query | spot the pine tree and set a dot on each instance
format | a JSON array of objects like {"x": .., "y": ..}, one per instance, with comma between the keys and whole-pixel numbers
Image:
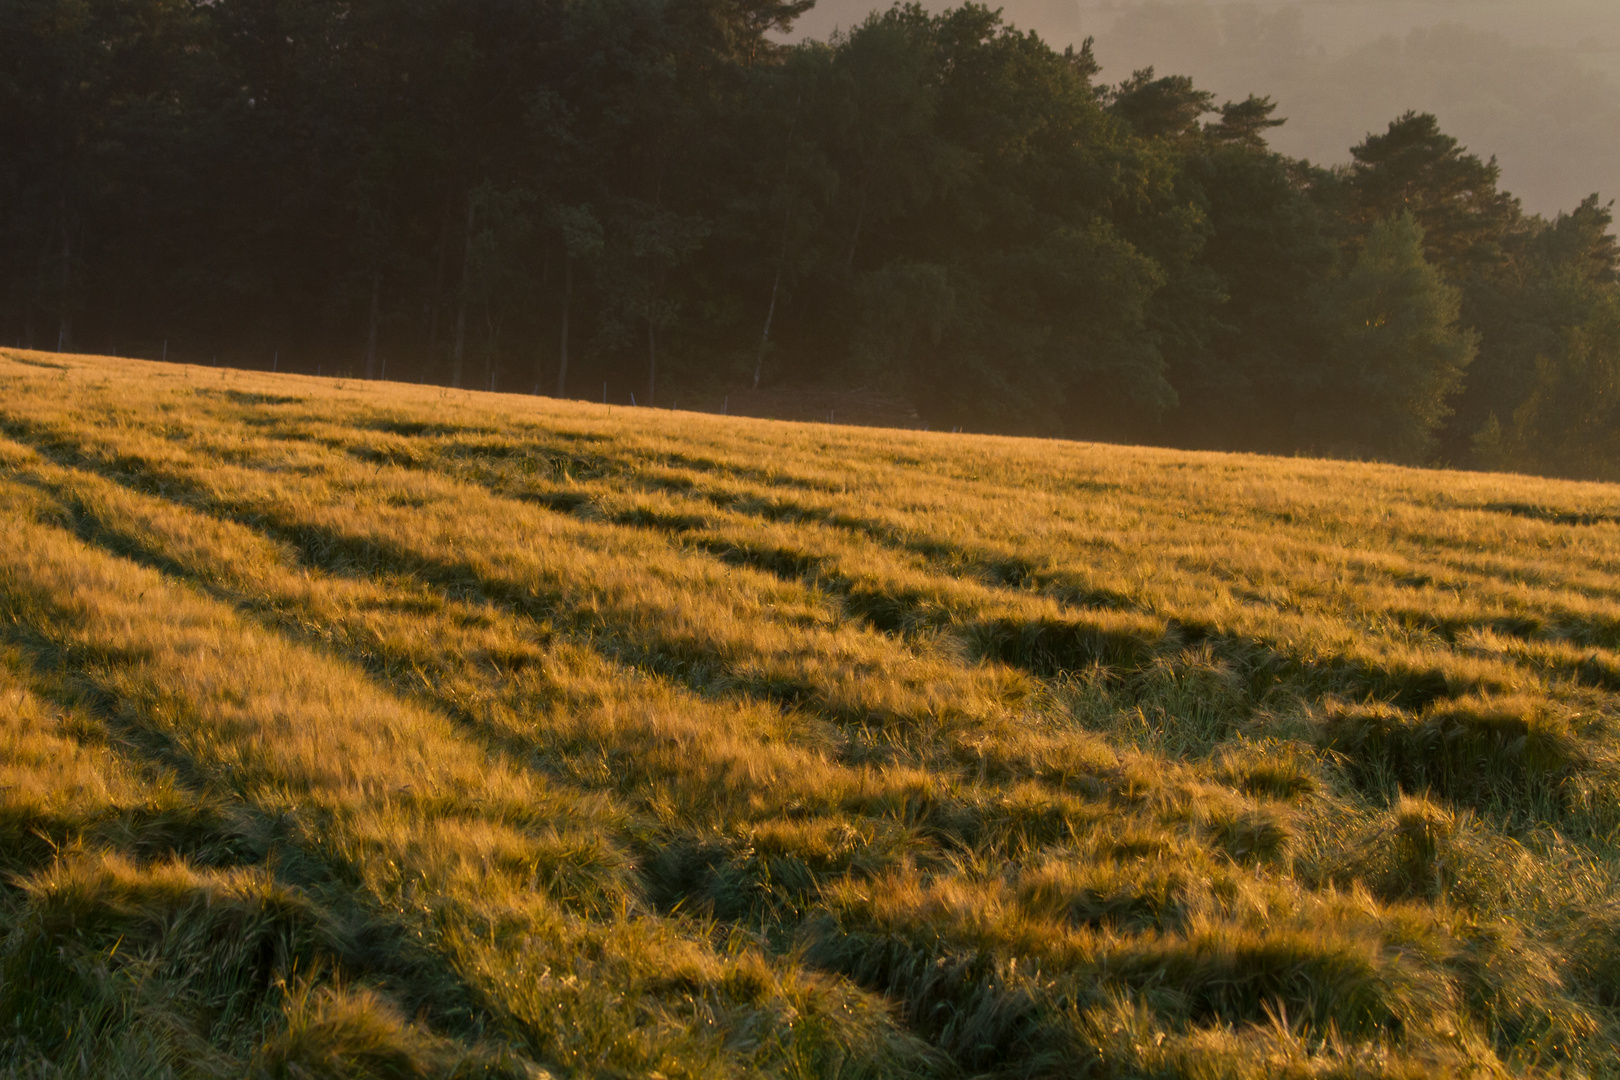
[{"x": 1415, "y": 168}]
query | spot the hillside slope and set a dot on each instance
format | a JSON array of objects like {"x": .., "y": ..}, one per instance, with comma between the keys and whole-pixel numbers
[{"x": 368, "y": 729}]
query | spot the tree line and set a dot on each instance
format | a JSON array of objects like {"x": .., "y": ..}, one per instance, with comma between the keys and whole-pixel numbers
[{"x": 557, "y": 195}]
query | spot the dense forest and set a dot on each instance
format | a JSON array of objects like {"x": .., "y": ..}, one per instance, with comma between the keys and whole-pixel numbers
[{"x": 559, "y": 196}]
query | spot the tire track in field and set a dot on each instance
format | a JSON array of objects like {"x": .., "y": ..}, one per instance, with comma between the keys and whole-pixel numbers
[
  {"x": 117, "y": 798},
  {"x": 765, "y": 503},
  {"x": 1072, "y": 588},
  {"x": 999, "y": 573},
  {"x": 693, "y": 657},
  {"x": 290, "y": 614},
  {"x": 1414, "y": 687},
  {"x": 224, "y": 828},
  {"x": 298, "y": 623},
  {"x": 57, "y": 618},
  {"x": 379, "y": 791},
  {"x": 489, "y": 463},
  {"x": 1048, "y": 647},
  {"x": 455, "y": 460},
  {"x": 492, "y": 464},
  {"x": 1043, "y": 645},
  {"x": 977, "y": 813}
]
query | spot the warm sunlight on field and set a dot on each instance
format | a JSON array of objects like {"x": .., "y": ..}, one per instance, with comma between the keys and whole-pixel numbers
[{"x": 373, "y": 729}]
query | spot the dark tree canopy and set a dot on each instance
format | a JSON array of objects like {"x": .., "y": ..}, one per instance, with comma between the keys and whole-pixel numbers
[{"x": 651, "y": 195}]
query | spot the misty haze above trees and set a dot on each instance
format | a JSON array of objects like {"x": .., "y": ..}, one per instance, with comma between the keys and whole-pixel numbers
[{"x": 537, "y": 194}]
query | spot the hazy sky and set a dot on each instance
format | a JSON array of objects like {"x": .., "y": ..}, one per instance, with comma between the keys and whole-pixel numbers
[{"x": 1535, "y": 82}]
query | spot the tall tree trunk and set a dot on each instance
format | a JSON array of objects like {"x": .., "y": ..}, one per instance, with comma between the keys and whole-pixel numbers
[
  {"x": 652, "y": 364},
  {"x": 115, "y": 306},
  {"x": 438, "y": 285},
  {"x": 765, "y": 338},
  {"x": 770, "y": 312},
  {"x": 568, "y": 302},
  {"x": 781, "y": 257},
  {"x": 492, "y": 332},
  {"x": 459, "y": 350},
  {"x": 64, "y": 327},
  {"x": 860, "y": 216},
  {"x": 371, "y": 329}
]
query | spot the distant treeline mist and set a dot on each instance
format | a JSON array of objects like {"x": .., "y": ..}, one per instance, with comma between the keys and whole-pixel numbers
[
  {"x": 654, "y": 195},
  {"x": 1535, "y": 84}
]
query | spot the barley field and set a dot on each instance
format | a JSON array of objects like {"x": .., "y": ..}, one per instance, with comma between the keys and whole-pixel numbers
[{"x": 356, "y": 729}]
